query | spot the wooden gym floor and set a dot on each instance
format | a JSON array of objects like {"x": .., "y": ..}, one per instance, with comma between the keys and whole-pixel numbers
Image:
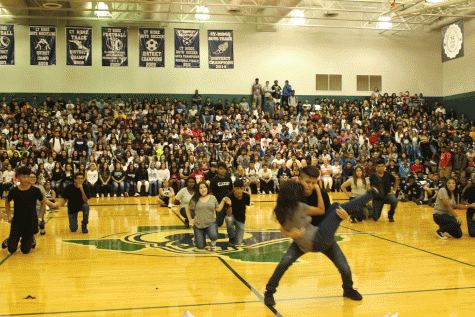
[{"x": 138, "y": 260}]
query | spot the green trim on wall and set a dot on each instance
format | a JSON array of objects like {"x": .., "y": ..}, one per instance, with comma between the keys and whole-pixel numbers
[{"x": 463, "y": 103}]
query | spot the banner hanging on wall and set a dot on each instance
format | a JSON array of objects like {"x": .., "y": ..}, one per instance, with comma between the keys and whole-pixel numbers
[
  {"x": 78, "y": 46},
  {"x": 114, "y": 46},
  {"x": 42, "y": 45},
  {"x": 187, "y": 48},
  {"x": 452, "y": 41},
  {"x": 7, "y": 45},
  {"x": 220, "y": 49},
  {"x": 151, "y": 47}
]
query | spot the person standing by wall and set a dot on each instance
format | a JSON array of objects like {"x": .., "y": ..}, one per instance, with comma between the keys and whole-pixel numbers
[{"x": 257, "y": 93}]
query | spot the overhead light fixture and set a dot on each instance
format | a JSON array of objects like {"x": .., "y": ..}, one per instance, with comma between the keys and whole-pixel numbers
[
  {"x": 384, "y": 22},
  {"x": 202, "y": 13},
  {"x": 103, "y": 7},
  {"x": 297, "y": 17}
]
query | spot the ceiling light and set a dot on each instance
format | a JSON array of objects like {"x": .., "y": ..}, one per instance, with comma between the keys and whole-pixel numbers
[
  {"x": 202, "y": 13},
  {"x": 297, "y": 17},
  {"x": 385, "y": 22},
  {"x": 102, "y": 6}
]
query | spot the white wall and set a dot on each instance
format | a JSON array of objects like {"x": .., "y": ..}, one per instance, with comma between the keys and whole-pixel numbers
[
  {"x": 405, "y": 63},
  {"x": 458, "y": 75}
]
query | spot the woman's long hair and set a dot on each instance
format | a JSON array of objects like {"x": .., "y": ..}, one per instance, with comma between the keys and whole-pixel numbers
[
  {"x": 290, "y": 194},
  {"x": 197, "y": 193},
  {"x": 362, "y": 176}
]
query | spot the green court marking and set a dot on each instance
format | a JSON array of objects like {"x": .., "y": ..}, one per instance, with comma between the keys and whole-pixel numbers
[
  {"x": 415, "y": 248},
  {"x": 6, "y": 258},
  {"x": 109, "y": 244}
]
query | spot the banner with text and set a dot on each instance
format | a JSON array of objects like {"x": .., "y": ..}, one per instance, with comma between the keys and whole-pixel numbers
[
  {"x": 221, "y": 50},
  {"x": 151, "y": 47},
  {"x": 187, "y": 48},
  {"x": 114, "y": 46},
  {"x": 78, "y": 46},
  {"x": 42, "y": 45},
  {"x": 7, "y": 45}
]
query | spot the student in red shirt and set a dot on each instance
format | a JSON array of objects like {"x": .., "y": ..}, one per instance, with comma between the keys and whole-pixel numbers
[
  {"x": 373, "y": 138},
  {"x": 416, "y": 167},
  {"x": 445, "y": 165},
  {"x": 198, "y": 174}
]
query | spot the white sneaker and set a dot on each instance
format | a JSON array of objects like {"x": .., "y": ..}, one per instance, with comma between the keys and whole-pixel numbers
[
  {"x": 441, "y": 235},
  {"x": 170, "y": 205},
  {"x": 102, "y": 195},
  {"x": 115, "y": 195},
  {"x": 188, "y": 314},
  {"x": 121, "y": 195},
  {"x": 258, "y": 192},
  {"x": 212, "y": 246},
  {"x": 97, "y": 195},
  {"x": 252, "y": 203},
  {"x": 108, "y": 195}
]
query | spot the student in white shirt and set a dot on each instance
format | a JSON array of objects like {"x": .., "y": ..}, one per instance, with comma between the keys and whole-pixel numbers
[
  {"x": 265, "y": 178},
  {"x": 152, "y": 180},
  {"x": 252, "y": 174},
  {"x": 92, "y": 178},
  {"x": 163, "y": 174},
  {"x": 7, "y": 180},
  {"x": 183, "y": 198}
]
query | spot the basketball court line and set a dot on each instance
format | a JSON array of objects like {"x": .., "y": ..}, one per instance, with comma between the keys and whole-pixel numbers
[
  {"x": 409, "y": 246},
  {"x": 9, "y": 255},
  {"x": 261, "y": 298},
  {"x": 231, "y": 303}
]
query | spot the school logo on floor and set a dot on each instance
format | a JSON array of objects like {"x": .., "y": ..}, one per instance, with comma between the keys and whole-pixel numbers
[{"x": 260, "y": 245}]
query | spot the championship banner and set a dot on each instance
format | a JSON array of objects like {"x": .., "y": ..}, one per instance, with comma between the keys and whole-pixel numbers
[
  {"x": 452, "y": 41},
  {"x": 187, "y": 48},
  {"x": 220, "y": 49},
  {"x": 151, "y": 47},
  {"x": 78, "y": 46},
  {"x": 42, "y": 45},
  {"x": 7, "y": 45},
  {"x": 114, "y": 46}
]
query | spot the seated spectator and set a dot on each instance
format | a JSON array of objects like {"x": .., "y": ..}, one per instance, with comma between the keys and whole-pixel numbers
[{"x": 412, "y": 191}]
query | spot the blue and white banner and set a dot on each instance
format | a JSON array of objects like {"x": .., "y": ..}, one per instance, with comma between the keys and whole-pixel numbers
[
  {"x": 187, "y": 48},
  {"x": 151, "y": 47},
  {"x": 78, "y": 46},
  {"x": 452, "y": 41},
  {"x": 221, "y": 50},
  {"x": 42, "y": 45},
  {"x": 7, "y": 45},
  {"x": 114, "y": 46}
]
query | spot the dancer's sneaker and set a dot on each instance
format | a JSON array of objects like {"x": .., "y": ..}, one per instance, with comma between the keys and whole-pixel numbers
[
  {"x": 352, "y": 294},
  {"x": 212, "y": 246},
  {"x": 439, "y": 234},
  {"x": 84, "y": 229},
  {"x": 33, "y": 244},
  {"x": 391, "y": 219},
  {"x": 269, "y": 299},
  {"x": 5, "y": 244}
]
